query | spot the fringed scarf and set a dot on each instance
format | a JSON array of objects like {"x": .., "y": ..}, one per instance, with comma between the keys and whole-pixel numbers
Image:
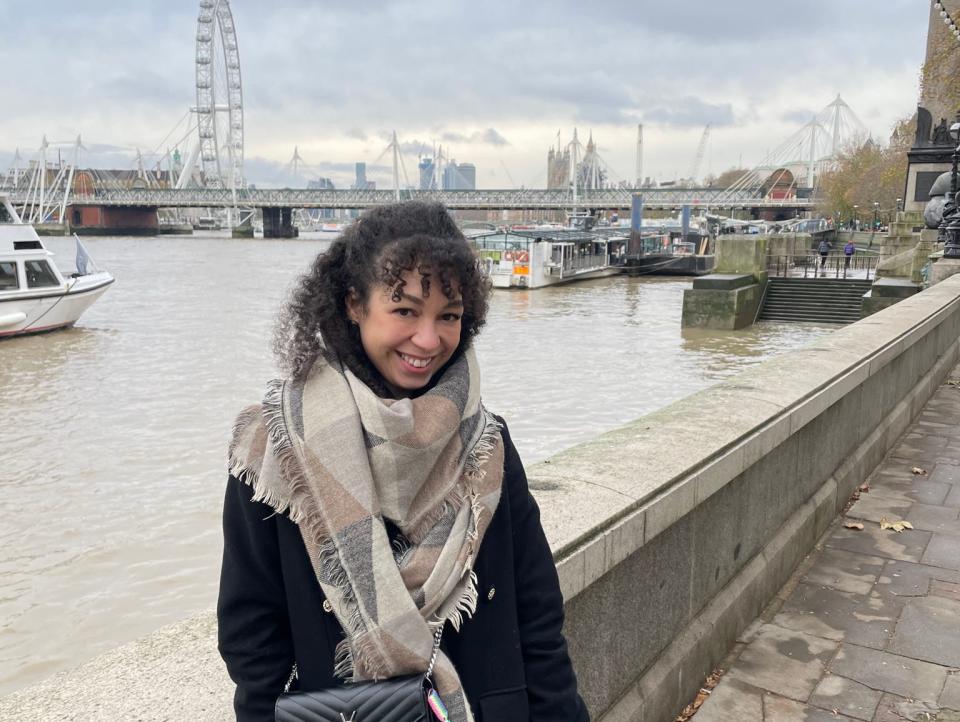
[{"x": 338, "y": 460}]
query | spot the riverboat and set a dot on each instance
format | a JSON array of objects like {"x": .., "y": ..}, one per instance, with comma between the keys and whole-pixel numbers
[
  {"x": 535, "y": 258},
  {"x": 34, "y": 295}
]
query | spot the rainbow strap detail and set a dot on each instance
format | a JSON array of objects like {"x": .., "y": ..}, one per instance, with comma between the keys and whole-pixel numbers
[{"x": 437, "y": 707}]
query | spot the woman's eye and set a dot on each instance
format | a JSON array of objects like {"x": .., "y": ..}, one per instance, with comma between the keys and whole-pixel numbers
[
  {"x": 403, "y": 312},
  {"x": 453, "y": 317}
]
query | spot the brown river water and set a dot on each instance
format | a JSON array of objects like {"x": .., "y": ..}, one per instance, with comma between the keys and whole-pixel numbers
[{"x": 113, "y": 434}]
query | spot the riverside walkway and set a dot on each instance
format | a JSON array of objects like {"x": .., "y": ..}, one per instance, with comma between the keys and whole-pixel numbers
[{"x": 869, "y": 626}]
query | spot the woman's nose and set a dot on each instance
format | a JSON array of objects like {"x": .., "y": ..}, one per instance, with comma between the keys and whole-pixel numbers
[{"x": 426, "y": 336}]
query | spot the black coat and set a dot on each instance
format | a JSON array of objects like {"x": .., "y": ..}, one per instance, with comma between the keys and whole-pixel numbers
[{"x": 511, "y": 656}]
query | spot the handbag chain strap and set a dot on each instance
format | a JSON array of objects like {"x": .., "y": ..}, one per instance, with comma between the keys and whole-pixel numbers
[
  {"x": 433, "y": 660},
  {"x": 436, "y": 650}
]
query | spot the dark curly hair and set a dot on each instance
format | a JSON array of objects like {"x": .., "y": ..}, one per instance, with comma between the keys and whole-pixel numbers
[{"x": 378, "y": 249}]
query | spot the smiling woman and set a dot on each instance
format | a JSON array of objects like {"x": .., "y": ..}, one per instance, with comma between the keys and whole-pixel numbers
[{"x": 377, "y": 521}]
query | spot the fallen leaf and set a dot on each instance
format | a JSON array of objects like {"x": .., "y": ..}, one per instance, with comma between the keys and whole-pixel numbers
[
  {"x": 897, "y": 525},
  {"x": 918, "y": 470},
  {"x": 865, "y": 488},
  {"x": 854, "y": 525}
]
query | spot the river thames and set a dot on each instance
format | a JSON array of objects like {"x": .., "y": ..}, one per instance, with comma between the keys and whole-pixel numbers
[{"x": 115, "y": 432}]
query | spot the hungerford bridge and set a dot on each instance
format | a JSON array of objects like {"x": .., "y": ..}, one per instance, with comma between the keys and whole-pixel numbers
[{"x": 558, "y": 199}]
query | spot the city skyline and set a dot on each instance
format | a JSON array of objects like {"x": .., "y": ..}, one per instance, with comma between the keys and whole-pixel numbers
[{"x": 494, "y": 88}]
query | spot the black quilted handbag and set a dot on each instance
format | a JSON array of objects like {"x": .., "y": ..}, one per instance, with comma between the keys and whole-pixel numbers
[{"x": 400, "y": 699}]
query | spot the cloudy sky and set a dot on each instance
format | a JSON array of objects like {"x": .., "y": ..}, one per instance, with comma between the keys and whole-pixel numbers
[{"x": 492, "y": 81}]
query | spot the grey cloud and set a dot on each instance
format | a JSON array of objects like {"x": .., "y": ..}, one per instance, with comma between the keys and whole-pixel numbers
[
  {"x": 416, "y": 147},
  {"x": 490, "y": 136},
  {"x": 800, "y": 117},
  {"x": 356, "y": 133},
  {"x": 689, "y": 111}
]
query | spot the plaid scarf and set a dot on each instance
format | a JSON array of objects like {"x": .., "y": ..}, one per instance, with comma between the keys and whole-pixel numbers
[{"x": 338, "y": 460}]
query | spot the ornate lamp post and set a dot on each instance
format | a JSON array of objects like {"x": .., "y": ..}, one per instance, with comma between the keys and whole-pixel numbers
[
  {"x": 876, "y": 215},
  {"x": 856, "y": 217},
  {"x": 950, "y": 225}
]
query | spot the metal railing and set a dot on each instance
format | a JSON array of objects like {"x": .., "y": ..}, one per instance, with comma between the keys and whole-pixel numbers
[
  {"x": 610, "y": 198},
  {"x": 861, "y": 266}
]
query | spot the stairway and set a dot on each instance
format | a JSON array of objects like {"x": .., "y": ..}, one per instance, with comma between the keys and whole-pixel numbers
[{"x": 816, "y": 300}]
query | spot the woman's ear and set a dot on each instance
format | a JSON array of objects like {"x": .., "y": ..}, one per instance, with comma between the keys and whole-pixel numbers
[{"x": 354, "y": 306}]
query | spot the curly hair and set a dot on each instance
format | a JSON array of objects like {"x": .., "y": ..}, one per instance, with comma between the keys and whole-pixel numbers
[{"x": 377, "y": 250}]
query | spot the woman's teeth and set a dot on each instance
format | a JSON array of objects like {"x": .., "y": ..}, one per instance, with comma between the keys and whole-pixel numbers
[{"x": 415, "y": 362}]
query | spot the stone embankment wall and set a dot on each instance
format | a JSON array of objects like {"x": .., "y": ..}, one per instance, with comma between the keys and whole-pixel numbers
[{"x": 671, "y": 533}]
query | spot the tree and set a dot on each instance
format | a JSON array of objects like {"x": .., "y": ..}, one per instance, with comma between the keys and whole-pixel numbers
[
  {"x": 865, "y": 174},
  {"x": 729, "y": 177},
  {"x": 940, "y": 74}
]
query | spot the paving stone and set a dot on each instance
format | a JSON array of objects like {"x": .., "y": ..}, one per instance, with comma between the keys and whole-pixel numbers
[
  {"x": 906, "y": 579},
  {"x": 946, "y": 473},
  {"x": 915, "y": 490},
  {"x": 867, "y": 620},
  {"x": 881, "y": 543},
  {"x": 947, "y": 590},
  {"x": 845, "y": 571},
  {"x": 943, "y": 551},
  {"x": 912, "y": 456},
  {"x": 895, "y": 471},
  {"x": 846, "y": 696},
  {"x": 929, "y": 629},
  {"x": 950, "y": 697},
  {"x": 898, "y": 709},
  {"x": 889, "y": 672},
  {"x": 783, "y": 661},
  {"x": 874, "y": 507},
  {"x": 949, "y": 454},
  {"x": 780, "y": 709},
  {"x": 942, "y": 519},
  {"x": 732, "y": 700},
  {"x": 952, "y": 498},
  {"x": 925, "y": 442}
]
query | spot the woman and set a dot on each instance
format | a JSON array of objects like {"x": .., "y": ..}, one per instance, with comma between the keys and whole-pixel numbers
[{"x": 372, "y": 498}]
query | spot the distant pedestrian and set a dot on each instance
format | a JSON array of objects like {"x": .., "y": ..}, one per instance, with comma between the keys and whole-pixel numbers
[
  {"x": 824, "y": 250},
  {"x": 848, "y": 251}
]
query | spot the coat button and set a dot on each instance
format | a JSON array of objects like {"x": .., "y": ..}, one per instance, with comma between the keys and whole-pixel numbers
[
  {"x": 327, "y": 606},
  {"x": 491, "y": 593}
]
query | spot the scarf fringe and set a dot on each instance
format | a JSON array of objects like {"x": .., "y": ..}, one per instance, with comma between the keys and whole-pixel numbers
[
  {"x": 484, "y": 447},
  {"x": 240, "y": 468}
]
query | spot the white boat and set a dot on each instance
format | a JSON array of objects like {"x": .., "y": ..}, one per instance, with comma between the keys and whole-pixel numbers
[
  {"x": 534, "y": 258},
  {"x": 34, "y": 295}
]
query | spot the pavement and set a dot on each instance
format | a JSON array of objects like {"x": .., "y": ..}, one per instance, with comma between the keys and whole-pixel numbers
[{"x": 868, "y": 628}]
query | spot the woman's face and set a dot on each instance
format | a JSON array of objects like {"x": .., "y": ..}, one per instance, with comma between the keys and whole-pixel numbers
[{"x": 410, "y": 339}]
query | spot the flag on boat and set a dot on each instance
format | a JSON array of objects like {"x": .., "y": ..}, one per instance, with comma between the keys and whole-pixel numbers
[{"x": 85, "y": 264}]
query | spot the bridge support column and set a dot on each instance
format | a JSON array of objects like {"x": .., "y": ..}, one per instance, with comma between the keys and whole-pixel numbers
[{"x": 278, "y": 223}]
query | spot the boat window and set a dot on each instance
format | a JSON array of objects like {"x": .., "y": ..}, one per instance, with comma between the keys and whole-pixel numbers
[
  {"x": 8, "y": 276},
  {"x": 40, "y": 275}
]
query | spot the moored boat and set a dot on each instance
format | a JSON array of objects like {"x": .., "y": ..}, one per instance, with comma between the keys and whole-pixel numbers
[
  {"x": 531, "y": 258},
  {"x": 34, "y": 295}
]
